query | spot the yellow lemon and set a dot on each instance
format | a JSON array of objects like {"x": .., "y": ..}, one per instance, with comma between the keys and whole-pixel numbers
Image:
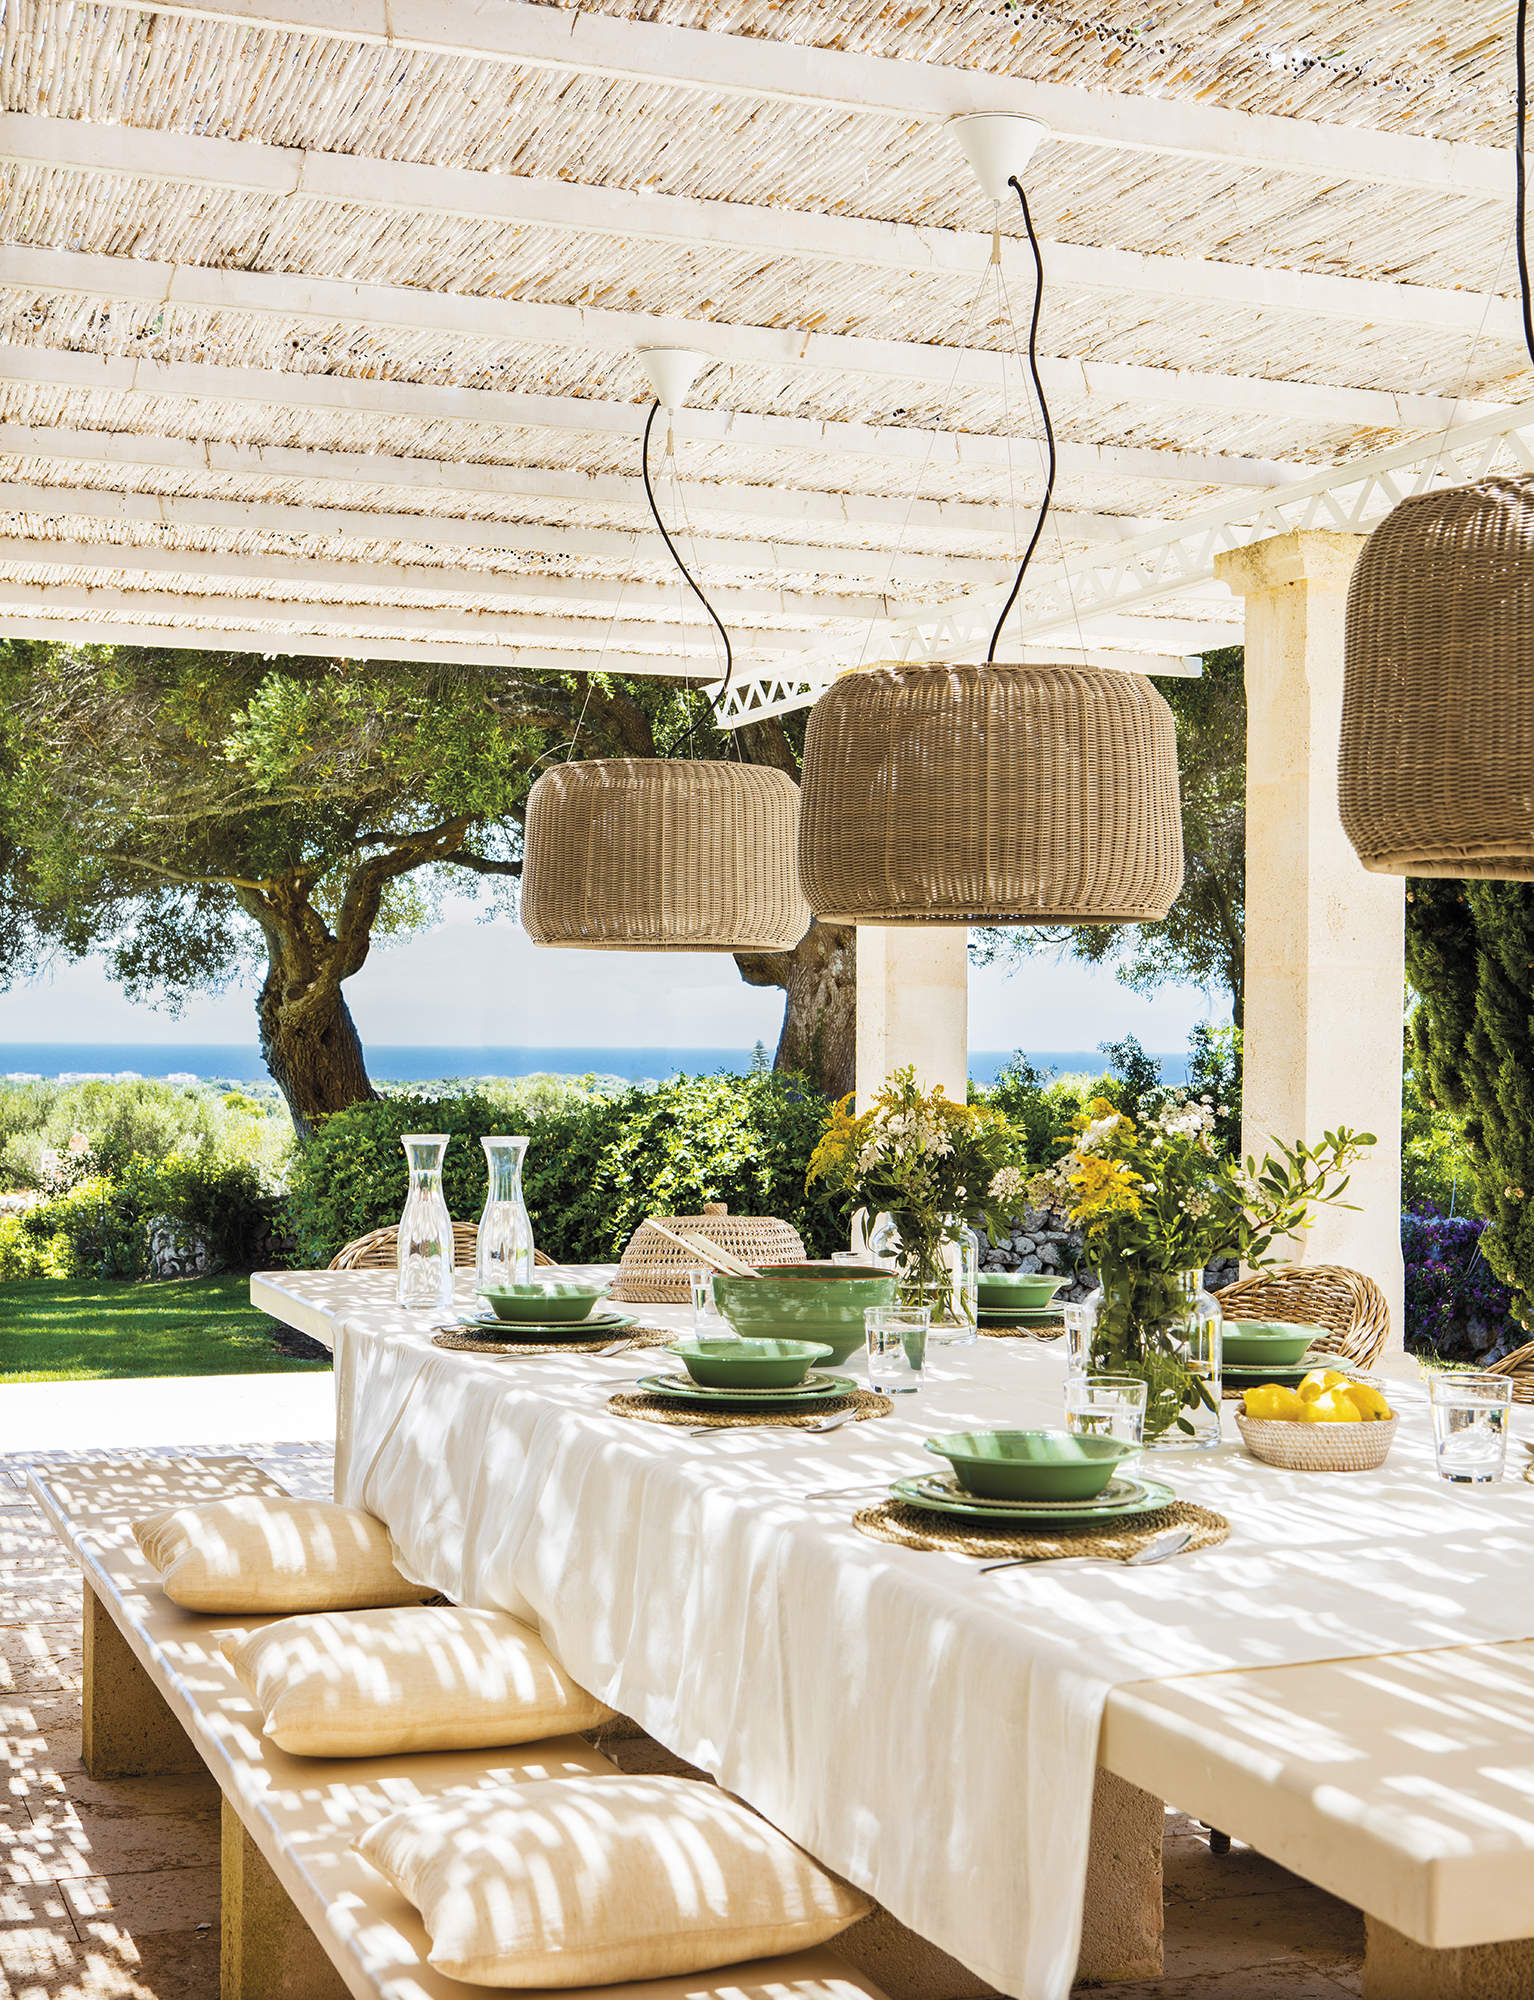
[
  {"x": 1318, "y": 1381},
  {"x": 1368, "y": 1401},
  {"x": 1274, "y": 1401},
  {"x": 1334, "y": 1406}
]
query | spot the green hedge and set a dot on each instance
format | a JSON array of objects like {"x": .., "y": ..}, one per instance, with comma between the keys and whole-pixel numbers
[
  {"x": 596, "y": 1166},
  {"x": 100, "y": 1228}
]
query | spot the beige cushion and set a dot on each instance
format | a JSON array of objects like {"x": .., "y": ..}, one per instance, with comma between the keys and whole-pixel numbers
[
  {"x": 586, "y": 1881},
  {"x": 370, "y": 1683},
  {"x": 260, "y": 1553}
]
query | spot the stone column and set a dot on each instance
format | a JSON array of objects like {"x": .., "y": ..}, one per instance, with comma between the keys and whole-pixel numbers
[
  {"x": 913, "y": 1006},
  {"x": 1324, "y": 938}
]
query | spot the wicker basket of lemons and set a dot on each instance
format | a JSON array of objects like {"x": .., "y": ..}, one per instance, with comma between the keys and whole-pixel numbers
[{"x": 1331, "y": 1423}]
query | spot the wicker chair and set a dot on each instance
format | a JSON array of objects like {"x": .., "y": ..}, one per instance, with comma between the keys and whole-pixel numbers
[
  {"x": 1520, "y": 1365},
  {"x": 1350, "y": 1308},
  {"x": 375, "y": 1251}
]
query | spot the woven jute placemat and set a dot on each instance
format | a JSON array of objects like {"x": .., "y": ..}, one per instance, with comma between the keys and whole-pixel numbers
[
  {"x": 634, "y": 1336},
  {"x": 1043, "y": 1330},
  {"x": 644, "y": 1409},
  {"x": 914, "y": 1528}
]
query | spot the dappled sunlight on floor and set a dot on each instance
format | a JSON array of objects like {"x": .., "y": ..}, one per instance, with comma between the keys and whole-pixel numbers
[{"x": 109, "y": 1889}]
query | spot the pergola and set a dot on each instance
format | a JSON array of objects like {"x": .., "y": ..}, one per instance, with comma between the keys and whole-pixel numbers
[{"x": 319, "y": 331}]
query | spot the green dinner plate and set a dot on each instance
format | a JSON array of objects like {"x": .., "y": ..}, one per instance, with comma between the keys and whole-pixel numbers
[
  {"x": 544, "y": 1329},
  {"x": 1251, "y": 1376},
  {"x": 940, "y": 1494},
  {"x": 815, "y": 1388}
]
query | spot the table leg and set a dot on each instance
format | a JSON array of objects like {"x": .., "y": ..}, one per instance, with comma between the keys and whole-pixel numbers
[
  {"x": 1397, "y": 1968},
  {"x": 267, "y": 1951},
  {"x": 127, "y": 1730},
  {"x": 1121, "y": 1922}
]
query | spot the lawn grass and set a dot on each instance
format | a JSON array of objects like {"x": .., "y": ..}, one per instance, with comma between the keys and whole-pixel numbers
[{"x": 72, "y": 1330}]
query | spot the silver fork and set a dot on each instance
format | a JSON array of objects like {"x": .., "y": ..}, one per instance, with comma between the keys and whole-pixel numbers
[
  {"x": 1170, "y": 1542},
  {"x": 804, "y": 1430}
]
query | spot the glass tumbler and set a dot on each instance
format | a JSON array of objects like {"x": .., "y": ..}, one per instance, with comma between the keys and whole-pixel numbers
[
  {"x": 1106, "y": 1406},
  {"x": 708, "y": 1323},
  {"x": 1078, "y": 1328},
  {"x": 1470, "y": 1425},
  {"x": 897, "y": 1346}
]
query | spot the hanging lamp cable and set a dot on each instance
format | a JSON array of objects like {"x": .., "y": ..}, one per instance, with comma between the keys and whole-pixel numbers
[
  {"x": 692, "y": 582},
  {"x": 1521, "y": 177},
  {"x": 1052, "y": 456}
]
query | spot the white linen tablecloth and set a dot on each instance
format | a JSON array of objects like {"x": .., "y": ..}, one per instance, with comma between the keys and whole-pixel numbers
[{"x": 926, "y": 1730}]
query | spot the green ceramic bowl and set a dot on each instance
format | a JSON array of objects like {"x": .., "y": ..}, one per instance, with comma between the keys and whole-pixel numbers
[
  {"x": 1018, "y": 1288},
  {"x": 823, "y": 1302},
  {"x": 559, "y": 1299},
  {"x": 1031, "y": 1465},
  {"x": 749, "y": 1364},
  {"x": 1263, "y": 1343}
]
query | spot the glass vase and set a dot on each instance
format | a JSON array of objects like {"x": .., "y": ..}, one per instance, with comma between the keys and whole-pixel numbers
[
  {"x": 424, "y": 1247},
  {"x": 938, "y": 1269},
  {"x": 504, "y": 1254},
  {"x": 1164, "y": 1328}
]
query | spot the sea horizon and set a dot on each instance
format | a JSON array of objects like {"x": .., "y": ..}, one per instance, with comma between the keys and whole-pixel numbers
[{"x": 239, "y": 1062}]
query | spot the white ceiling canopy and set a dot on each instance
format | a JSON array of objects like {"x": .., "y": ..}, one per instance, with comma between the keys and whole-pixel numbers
[{"x": 318, "y": 323}]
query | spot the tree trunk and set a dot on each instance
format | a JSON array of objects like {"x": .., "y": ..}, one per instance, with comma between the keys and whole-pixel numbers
[
  {"x": 311, "y": 1046},
  {"x": 819, "y": 981}
]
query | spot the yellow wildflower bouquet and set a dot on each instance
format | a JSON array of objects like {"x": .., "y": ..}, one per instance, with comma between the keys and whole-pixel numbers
[
  {"x": 929, "y": 1162},
  {"x": 1156, "y": 1201}
]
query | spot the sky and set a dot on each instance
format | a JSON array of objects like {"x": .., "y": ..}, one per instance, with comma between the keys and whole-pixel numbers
[{"x": 466, "y": 983}]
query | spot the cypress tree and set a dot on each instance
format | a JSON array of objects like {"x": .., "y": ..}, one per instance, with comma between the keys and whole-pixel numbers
[{"x": 1470, "y": 960}]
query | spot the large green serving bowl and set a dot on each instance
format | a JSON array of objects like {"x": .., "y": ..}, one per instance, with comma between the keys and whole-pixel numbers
[
  {"x": 749, "y": 1364},
  {"x": 1031, "y": 1465},
  {"x": 1264, "y": 1343},
  {"x": 823, "y": 1302},
  {"x": 1024, "y": 1290},
  {"x": 556, "y": 1299}
]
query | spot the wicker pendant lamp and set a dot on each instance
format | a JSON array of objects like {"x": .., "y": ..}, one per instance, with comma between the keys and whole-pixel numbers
[
  {"x": 1436, "y": 767},
  {"x": 663, "y": 853},
  {"x": 1436, "y": 761},
  {"x": 990, "y": 795},
  {"x": 994, "y": 793}
]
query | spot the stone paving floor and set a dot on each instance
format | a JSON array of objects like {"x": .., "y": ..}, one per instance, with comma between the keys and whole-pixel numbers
[{"x": 110, "y": 1891}]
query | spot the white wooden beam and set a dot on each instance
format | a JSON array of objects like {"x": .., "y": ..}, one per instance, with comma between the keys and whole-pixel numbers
[
  {"x": 754, "y": 229},
  {"x": 437, "y": 531},
  {"x": 380, "y": 583},
  {"x": 552, "y": 487},
  {"x": 788, "y": 72},
  {"x": 384, "y": 309},
  {"x": 425, "y": 402},
  {"x": 72, "y": 630},
  {"x": 584, "y": 636}
]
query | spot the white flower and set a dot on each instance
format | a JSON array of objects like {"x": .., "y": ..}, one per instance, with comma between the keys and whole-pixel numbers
[
  {"x": 1006, "y": 1183},
  {"x": 1097, "y": 1134}
]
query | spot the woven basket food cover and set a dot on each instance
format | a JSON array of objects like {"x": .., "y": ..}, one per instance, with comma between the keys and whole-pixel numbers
[
  {"x": 1317, "y": 1447},
  {"x": 990, "y": 795},
  {"x": 652, "y": 854},
  {"x": 654, "y": 1272},
  {"x": 1436, "y": 770}
]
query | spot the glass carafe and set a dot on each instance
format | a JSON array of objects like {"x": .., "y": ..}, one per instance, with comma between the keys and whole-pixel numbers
[
  {"x": 424, "y": 1250},
  {"x": 505, "y": 1251}
]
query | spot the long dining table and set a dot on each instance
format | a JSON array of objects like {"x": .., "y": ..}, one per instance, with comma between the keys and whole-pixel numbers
[{"x": 1345, "y": 1682}]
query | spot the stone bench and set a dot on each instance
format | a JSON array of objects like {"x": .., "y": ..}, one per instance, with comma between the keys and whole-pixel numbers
[
  {"x": 159, "y": 1697},
  {"x": 1402, "y": 1783}
]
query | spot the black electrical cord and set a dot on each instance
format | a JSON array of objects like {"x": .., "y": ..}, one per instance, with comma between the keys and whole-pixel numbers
[
  {"x": 1049, "y": 429},
  {"x": 692, "y": 583},
  {"x": 1521, "y": 178}
]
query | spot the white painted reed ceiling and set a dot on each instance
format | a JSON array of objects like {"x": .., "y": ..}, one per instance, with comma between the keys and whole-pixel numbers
[{"x": 317, "y": 316}]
